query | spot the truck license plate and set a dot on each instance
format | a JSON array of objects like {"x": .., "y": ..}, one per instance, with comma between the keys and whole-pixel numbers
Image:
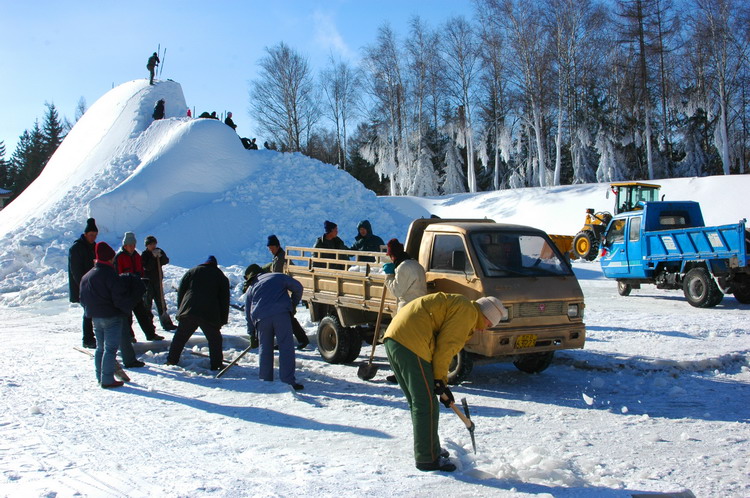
[{"x": 526, "y": 341}]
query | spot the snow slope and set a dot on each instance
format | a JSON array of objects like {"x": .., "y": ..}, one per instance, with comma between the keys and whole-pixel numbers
[{"x": 657, "y": 400}]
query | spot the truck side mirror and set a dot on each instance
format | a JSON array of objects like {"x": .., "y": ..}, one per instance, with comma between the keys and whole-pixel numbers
[{"x": 458, "y": 260}]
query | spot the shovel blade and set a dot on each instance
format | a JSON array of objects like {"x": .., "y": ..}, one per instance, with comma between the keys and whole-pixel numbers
[{"x": 367, "y": 371}]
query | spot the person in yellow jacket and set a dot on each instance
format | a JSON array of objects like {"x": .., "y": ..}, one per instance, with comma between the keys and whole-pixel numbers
[{"x": 420, "y": 343}]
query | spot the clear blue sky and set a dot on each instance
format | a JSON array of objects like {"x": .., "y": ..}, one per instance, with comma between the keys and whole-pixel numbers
[{"x": 56, "y": 51}]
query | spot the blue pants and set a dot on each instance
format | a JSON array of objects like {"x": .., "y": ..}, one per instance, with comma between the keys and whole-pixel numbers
[
  {"x": 279, "y": 326},
  {"x": 126, "y": 343},
  {"x": 108, "y": 332}
]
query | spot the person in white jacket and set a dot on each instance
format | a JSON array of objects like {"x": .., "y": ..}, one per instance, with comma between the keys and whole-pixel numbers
[{"x": 405, "y": 276}]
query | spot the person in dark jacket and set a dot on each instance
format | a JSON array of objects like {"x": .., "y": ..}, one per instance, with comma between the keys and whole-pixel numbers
[
  {"x": 153, "y": 259},
  {"x": 153, "y": 61},
  {"x": 108, "y": 299},
  {"x": 366, "y": 240},
  {"x": 159, "y": 109},
  {"x": 330, "y": 240},
  {"x": 81, "y": 260},
  {"x": 268, "y": 307},
  {"x": 128, "y": 260},
  {"x": 229, "y": 122},
  {"x": 202, "y": 301}
]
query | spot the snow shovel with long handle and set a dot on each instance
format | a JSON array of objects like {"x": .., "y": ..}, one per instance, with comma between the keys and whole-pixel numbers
[
  {"x": 367, "y": 370},
  {"x": 465, "y": 418},
  {"x": 234, "y": 361}
]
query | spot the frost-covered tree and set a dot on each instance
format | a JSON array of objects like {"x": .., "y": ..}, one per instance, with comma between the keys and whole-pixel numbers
[
  {"x": 282, "y": 97},
  {"x": 454, "y": 180},
  {"x": 462, "y": 63}
]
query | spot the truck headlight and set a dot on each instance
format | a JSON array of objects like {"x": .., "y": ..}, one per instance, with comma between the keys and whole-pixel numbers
[{"x": 573, "y": 311}]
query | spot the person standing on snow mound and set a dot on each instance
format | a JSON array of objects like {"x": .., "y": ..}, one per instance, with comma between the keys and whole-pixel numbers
[
  {"x": 268, "y": 307},
  {"x": 366, "y": 240},
  {"x": 107, "y": 300},
  {"x": 202, "y": 301},
  {"x": 159, "y": 110},
  {"x": 128, "y": 260},
  {"x": 153, "y": 61},
  {"x": 80, "y": 260},
  {"x": 153, "y": 259},
  {"x": 420, "y": 342}
]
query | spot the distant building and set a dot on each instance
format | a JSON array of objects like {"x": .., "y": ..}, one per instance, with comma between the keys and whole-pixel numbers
[{"x": 5, "y": 196}]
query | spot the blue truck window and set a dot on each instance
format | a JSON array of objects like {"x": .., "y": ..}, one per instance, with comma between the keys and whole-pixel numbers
[
  {"x": 616, "y": 232},
  {"x": 635, "y": 229},
  {"x": 667, "y": 220}
]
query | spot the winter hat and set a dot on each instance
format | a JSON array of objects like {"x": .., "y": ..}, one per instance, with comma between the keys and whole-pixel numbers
[
  {"x": 329, "y": 226},
  {"x": 149, "y": 240},
  {"x": 211, "y": 260},
  {"x": 273, "y": 241},
  {"x": 493, "y": 309},
  {"x": 395, "y": 248},
  {"x": 103, "y": 252},
  {"x": 90, "y": 226},
  {"x": 129, "y": 239},
  {"x": 253, "y": 271}
]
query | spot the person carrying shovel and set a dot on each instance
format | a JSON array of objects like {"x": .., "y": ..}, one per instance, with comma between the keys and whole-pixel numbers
[
  {"x": 420, "y": 343},
  {"x": 153, "y": 258}
]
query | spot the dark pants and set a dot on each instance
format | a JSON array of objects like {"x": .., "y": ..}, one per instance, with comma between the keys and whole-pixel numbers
[
  {"x": 88, "y": 330},
  {"x": 280, "y": 327},
  {"x": 188, "y": 325},
  {"x": 299, "y": 333},
  {"x": 415, "y": 378},
  {"x": 151, "y": 72},
  {"x": 152, "y": 297},
  {"x": 145, "y": 320}
]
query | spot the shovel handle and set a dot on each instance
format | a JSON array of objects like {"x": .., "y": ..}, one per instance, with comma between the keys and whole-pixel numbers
[
  {"x": 377, "y": 324},
  {"x": 466, "y": 420}
]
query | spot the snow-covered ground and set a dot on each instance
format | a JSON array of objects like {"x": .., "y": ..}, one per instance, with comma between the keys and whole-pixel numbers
[{"x": 658, "y": 400}]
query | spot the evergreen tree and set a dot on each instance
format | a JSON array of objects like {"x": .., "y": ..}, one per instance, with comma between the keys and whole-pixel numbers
[
  {"x": 54, "y": 132},
  {"x": 5, "y": 176},
  {"x": 28, "y": 159}
]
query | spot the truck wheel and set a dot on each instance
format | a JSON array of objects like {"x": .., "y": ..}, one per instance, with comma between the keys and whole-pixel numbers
[
  {"x": 623, "y": 288},
  {"x": 742, "y": 294},
  {"x": 336, "y": 343},
  {"x": 355, "y": 344},
  {"x": 585, "y": 245},
  {"x": 460, "y": 368},
  {"x": 535, "y": 362},
  {"x": 700, "y": 288}
]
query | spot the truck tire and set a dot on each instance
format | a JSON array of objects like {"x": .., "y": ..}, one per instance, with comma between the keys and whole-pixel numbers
[
  {"x": 742, "y": 294},
  {"x": 623, "y": 288},
  {"x": 336, "y": 343},
  {"x": 534, "y": 362},
  {"x": 585, "y": 245},
  {"x": 355, "y": 344},
  {"x": 460, "y": 368},
  {"x": 700, "y": 289}
]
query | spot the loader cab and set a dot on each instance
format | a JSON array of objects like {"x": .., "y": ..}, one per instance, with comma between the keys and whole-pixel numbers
[{"x": 630, "y": 196}]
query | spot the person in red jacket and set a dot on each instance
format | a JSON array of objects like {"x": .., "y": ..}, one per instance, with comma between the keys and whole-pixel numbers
[{"x": 129, "y": 261}]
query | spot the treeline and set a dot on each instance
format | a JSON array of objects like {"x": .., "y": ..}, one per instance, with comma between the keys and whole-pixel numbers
[
  {"x": 34, "y": 149},
  {"x": 526, "y": 93}
]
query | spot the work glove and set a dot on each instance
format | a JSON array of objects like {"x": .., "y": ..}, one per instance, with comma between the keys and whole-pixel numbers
[
  {"x": 156, "y": 252},
  {"x": 389, "y": 269},
  {"x": 440, "y": 389}
]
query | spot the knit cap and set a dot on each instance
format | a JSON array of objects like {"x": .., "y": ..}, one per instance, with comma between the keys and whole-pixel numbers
[{"x": 493, "y": 309}]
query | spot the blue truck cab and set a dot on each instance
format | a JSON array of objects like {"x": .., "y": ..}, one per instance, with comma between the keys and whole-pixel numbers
[{"x": 667, "y": 244}]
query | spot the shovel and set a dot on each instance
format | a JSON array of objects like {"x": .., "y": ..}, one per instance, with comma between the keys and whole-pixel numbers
[
  {"x": 234, "y": 362},
  {"x": 367, "y": 370},
  {"x": 465, "y": 418}
]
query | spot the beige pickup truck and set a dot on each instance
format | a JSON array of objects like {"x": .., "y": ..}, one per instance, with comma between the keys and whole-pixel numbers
[{"x": 520, "y": 265}]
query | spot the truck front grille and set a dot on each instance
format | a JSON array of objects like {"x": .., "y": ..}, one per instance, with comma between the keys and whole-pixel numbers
[{"x": 539, "y": 309}]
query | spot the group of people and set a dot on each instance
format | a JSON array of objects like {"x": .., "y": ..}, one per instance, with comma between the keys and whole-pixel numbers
[{"x": 427, "y": 331}]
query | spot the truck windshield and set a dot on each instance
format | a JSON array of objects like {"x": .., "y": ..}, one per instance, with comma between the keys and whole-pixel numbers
[{"x": 503, "y": 254}]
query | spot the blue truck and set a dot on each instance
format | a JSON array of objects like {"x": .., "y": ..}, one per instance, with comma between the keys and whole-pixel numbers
[{"x": 667, "y": 244}]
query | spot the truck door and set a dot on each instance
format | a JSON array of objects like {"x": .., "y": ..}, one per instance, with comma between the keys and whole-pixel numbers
[
  {"x": 616, "y": 260},
  {"x": 449, "y": 265},
  {"x": 634, "y": 251}
]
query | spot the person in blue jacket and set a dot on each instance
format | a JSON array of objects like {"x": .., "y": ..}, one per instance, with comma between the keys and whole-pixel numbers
[{"x": 268, "y": 309}]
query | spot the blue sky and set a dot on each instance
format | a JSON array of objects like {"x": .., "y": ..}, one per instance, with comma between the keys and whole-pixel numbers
[{"x": 56, "y": 51}]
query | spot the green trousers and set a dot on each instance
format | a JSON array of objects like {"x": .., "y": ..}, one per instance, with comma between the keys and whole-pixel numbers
[{"x": 415, "y": 378}]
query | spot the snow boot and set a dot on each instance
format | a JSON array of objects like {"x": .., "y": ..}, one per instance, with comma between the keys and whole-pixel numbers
[
  {"x": 441, "y": 464},
  {"x": 155, "y": 337},
  {"x": 116, "y": 383},
  {"x": 135, "y": 364}
]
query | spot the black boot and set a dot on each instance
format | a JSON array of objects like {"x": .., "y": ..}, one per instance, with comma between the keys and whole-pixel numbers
[{"x": 443, "y": 465}]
